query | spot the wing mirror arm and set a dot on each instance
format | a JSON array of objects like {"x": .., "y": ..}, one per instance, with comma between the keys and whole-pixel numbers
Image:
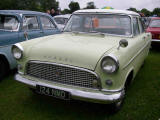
[{"x": 123, "y": 43}]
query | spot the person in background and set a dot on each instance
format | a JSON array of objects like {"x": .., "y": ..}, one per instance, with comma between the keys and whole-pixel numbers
[
  {"x": 58, "y": 12},
  {"x": 53, "y": 13},
  {"x": 48, "y": 11}
]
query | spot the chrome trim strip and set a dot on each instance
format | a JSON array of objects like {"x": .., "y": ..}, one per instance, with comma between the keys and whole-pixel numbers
[
  {"x": 132, "y": 25},
  {"x": 21, "y": 73},
  {"x": 19, "y": 46},
  {"x": 118, "y": 90},
  {"x": 104, "y": 13},
  {"x": 5, "y": 46},
  {"x": 104, "y": 34},
  {"x": 136, "y": 55},
  {"x": 155, "y": 40},
  {"x": 78, "y": 94},
  {"x": 63, "y": 65},
  {"x": 114, "y": 58},
  {"x": 21, "y": 79}
]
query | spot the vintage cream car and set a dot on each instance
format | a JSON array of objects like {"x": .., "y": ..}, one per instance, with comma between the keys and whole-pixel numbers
[{"x": 95, "y": 59}]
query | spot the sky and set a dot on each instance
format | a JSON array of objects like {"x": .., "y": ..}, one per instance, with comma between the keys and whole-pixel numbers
[{"x": 116, "y": 4}]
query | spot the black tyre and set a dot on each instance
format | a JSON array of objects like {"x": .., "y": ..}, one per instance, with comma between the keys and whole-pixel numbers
[
  {"x": 115, "y": 107},
  {"x": 3, "y": 68},
  {"x": 33, "y": 90},
  {"x": 143, "y": 64}
]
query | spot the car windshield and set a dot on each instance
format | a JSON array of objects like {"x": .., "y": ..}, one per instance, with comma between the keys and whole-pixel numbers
[
  {"x": 155, "y": 23},
  {"x": 8, "y": 22},
  {"x": 110, "y": 24},
  {"x": 62, "y": 21}
]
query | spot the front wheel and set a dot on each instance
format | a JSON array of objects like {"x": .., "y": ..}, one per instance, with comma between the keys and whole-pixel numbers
[
  {"x": 3, "y": 68},
  {"x": 33, "y": 90},
  {"x": 115, "y": 107}
]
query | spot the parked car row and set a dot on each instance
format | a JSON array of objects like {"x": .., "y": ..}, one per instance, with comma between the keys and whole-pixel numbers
[
  {"x": 94, "y": 59},
  {"x": 17, "y": 26},
  {"x": 61, "y": 20},
  {"x": 154, "y": 28}
]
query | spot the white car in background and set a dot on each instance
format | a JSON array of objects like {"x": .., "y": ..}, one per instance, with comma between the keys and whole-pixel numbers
[{"x": 61, "y": 20}]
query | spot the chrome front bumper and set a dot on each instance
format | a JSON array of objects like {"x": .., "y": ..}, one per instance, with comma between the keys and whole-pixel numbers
[
  {"x": 107, "y": 98},
  {"x": 155, "y": 40}
]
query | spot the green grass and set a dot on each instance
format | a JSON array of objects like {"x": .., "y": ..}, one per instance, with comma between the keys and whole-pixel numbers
[{"x": 142, "y": 101}]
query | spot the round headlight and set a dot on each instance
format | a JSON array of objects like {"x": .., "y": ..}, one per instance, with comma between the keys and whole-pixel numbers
[
  {"x": 17, "y": 51},
  {"x": 110, "y": 64}
]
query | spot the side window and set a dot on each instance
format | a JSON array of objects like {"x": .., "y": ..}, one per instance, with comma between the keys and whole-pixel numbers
[
  {"x": 62, "y": 21},
  {"x": 46, "y": 23},
  {"x": 141, "y": 26},
  {"x": 135, "y": 27},
  {"x": 87, "y": 22},
  {"x": 74, "y": 24},
  {"x": 8, "y": 22},
  {"x": 30, "y": 23}
]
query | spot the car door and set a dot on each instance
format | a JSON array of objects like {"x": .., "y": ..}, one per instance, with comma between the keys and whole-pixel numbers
[
  {"x": 30, "y": 27},
  {"x": 139, "y": 35},
  {"x": 48, "y": 26},
  {"x": 146, "y": 38},
  {"x": 137, "y": 51}
]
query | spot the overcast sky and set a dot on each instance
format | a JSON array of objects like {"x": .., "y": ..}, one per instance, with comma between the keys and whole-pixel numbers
[{"x": 116, "y": 4}]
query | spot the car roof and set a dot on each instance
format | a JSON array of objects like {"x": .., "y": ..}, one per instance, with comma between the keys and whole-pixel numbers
[
  {"x": 112, "y": 11},
  {"x": 22, "y": 12},
  {"x": 63, "y": 16}
]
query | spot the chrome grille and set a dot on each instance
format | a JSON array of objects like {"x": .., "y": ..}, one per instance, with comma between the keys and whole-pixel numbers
[{"x": 62, "y": 74}]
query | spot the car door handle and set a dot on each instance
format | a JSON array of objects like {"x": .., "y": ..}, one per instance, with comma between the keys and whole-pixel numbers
[{"x": 26, "y": 35}]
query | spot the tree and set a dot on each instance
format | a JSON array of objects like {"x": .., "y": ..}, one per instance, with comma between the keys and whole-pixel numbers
[
  {"x": 74, "y": 6},
  {"x": 156, "y": 11},
  {"x": 27, "y": 5},
  {"x": 48, "y": 4},
  {"x": 146, "y": 12},
  {"x": 36, "y": 5},
  {"x": 66, "y": 11},
  {"x": 90, "y": 5},
  {"x": 7, "y": 4},
  {"x": 133, "y": 9}
]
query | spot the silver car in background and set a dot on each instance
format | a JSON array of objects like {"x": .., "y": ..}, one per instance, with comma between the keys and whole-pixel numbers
[{"x": 61, "y": 20}]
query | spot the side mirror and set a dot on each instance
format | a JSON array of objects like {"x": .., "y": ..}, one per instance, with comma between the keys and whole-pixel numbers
[{"x": 123, "y": 43}]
